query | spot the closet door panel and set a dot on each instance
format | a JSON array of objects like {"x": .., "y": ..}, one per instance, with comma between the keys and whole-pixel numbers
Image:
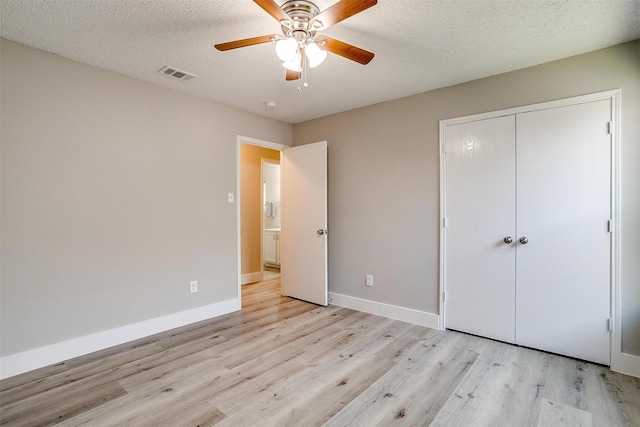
[
  {"x": 563, "y": 205},
  {"x": 480, "y": 213}
]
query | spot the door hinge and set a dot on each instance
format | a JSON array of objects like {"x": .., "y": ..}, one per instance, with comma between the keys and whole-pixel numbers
[
  {"x": 444, "y": 148},
  {"x": 610, "y": 128},
  {"x": 444, "y": 296},
  {"x": 444, "y": 222},
  {"x": 610, "y": 226},
  {"x": 609, "y": 325}
]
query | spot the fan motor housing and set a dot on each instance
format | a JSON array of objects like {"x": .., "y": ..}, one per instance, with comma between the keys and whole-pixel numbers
[{"x": 301, "y": 13}]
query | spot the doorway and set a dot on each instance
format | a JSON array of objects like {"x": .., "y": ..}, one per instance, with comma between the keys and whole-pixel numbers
[
  {"x": 252, "y": 215},
  {"x": 304, "y": 254},
  {"x": 271, "y": 224}
]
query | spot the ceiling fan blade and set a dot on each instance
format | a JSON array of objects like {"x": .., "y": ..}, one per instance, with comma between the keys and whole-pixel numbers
[
  {"x": 293, "y": 75},
  {"x": 245, "y": 42},
  {"x": 273, "y": 9},
  {"x": 347, "y": 51},
  {"x": 343, "y": 10}
]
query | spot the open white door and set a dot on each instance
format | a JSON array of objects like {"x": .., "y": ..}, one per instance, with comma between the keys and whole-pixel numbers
[{"x": 303, "y": 242}]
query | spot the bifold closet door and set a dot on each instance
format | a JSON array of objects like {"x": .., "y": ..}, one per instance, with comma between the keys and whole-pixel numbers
[
  {"x": 480, "y": 213},
  {"x": 563, "y": 209}
]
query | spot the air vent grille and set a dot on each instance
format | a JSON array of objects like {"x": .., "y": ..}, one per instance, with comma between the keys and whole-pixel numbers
[{"x": 173, "y": 72}]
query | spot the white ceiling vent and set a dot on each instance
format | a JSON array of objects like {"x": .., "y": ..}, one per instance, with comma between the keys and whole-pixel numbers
[{"x": 176, "y": 74}]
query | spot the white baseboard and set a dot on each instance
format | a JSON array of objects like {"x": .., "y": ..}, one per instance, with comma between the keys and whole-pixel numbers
[
  {"x": 629, "y": 365},
  {"x": 251, "y": 277},
  {"x": 408, "y": 315},
  {"x": 55, "y": 353}
]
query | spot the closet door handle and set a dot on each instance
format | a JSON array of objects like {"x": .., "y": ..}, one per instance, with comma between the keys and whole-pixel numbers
[
  {"x": 524, "y": 240},
  {"x": 508, "y": 240},
  {"x": 320, "y": 232}
]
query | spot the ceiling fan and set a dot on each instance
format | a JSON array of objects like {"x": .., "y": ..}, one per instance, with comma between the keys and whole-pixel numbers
[{"x": 301, "y": 20}]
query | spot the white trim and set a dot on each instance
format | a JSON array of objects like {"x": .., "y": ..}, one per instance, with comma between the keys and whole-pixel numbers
[
  {"x": 443, "y": 230},
  {"x": 565, "y": 102},
  {"x": 251, "y": 277},
  {"x": 408, "y": 315},
  {"x": 629, "y": 365},
  {"x": 58, "y": 352},
  {"x": 619, "y": 360},
  {"x": 261, "y": 143}
]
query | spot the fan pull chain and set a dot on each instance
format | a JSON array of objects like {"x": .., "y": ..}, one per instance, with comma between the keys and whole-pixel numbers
[
  {"x": 303, "y": 63},
  {"x": 304, "y": 59}
]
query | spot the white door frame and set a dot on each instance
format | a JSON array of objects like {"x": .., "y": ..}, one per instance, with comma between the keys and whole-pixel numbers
[
  {"x": 260, "y": 143},
  {"x": 612, "y": 95}
]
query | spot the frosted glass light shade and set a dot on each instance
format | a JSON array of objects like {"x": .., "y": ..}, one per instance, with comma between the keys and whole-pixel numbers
[
  {"x": 315, "y": 54},
  {"x": 295, "y": 64},
  {"x": 286, "y": 49}
]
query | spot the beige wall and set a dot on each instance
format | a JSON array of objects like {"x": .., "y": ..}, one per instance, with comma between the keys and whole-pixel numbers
[
  {"x": 251, "y": 204},
  {"x": 114, "y": 197},
  {"x": 384, "y": 177}
]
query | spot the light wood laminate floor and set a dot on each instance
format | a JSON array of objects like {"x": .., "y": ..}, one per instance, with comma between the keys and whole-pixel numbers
[{"x": 283, "y": 362}]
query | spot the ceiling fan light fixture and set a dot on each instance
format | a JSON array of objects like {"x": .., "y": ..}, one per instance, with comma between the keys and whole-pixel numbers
[
  {"x": 300, "y": 21},
  {"x": 295, "y": 64},
  {"x": 315, "y": 54},
  {"x": 286, "y": 49}
]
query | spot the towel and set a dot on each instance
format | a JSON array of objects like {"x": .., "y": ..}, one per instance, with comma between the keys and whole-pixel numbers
[{"x": 269, "y": 210}]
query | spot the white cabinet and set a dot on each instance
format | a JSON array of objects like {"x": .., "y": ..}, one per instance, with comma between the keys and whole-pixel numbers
[
  {"x": 271, "y": 247},
  {"x": 527, "y": 201}
]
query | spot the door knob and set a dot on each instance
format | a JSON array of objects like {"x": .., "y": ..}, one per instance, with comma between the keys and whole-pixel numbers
[
  {"x": 524, "y": 240},
  {"x": 508, "y": 240},
  {"x": 321, "y": 232}
]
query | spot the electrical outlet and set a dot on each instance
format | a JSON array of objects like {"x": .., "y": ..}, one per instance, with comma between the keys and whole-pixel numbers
[
  {"x": 369, "y": 281},
  {"x": 230, "y": 197},
  {"x": 194, "y": 286}
]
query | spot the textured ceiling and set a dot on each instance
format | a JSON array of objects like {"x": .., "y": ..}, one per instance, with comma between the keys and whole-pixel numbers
[{"x": 419, "y": 44}]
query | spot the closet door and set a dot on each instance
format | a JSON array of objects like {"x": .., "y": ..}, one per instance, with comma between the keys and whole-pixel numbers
[
  {"x": 563, "y": 208},
  {"x": 479, "y": 163}
]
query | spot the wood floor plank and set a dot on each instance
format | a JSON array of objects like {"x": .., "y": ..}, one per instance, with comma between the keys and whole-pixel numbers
[
  {"x": 70, "y": 376},
  {"x": 31, "y": 376},
  {"x": 620, "y": 394},
  {"x": 273, "y": 397},
  {"x": 378, "y": 339},
  {"x": 611, "y": 398},
  {"x": 399, "y": 397},
  {"x": 200, "y": 380},
  {"x": 315, "y": 321},
  {"x": 338, "y": 337},
  {"x": 55, "y": 406},
  {"x": 482, "y": 396},
  {"x": 155, "y": 402},
  {"x": 281, "y": 361},
  {"x": 556, "y": 414},
  {"x": 238, "y": 324}
]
